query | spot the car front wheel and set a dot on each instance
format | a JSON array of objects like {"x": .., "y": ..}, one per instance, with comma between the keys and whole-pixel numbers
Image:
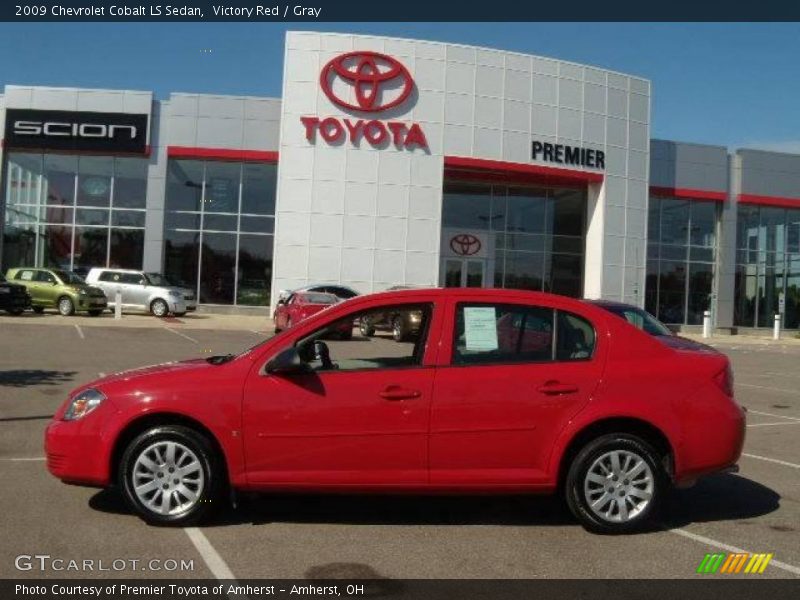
[
  {"x": 171, "y": 475},
  {"x": 159, "y": 308},
  {"x": 65, "y": 306},
  {"x": 615, "y": 484}
]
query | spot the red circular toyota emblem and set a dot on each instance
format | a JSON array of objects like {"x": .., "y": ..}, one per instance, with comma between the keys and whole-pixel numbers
[
  {"x": 380, "y": 82},
  {"x": 465, "y": 244}
]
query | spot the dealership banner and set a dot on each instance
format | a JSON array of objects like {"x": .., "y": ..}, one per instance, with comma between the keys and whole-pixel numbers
[
  {"x": 377, "y": 587},
  {"x": 410, "y": 10}
]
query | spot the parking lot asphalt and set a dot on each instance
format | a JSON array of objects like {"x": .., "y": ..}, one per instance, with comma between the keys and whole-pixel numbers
[{"x": 275, "y": 536}]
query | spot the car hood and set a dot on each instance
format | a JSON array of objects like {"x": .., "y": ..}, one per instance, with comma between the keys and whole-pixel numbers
[
  {"x": 166, "y": 369},
  {"x": 677, "y": 342},
  {"x": 85, "y": 286}
]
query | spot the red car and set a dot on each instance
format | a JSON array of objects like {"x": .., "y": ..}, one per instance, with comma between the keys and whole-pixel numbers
[
  {"x": 301, "y": 305},
  {"x": 604, "y": 412}
]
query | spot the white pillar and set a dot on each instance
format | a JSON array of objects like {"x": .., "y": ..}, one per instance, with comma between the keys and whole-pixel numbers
[
  {"x": 707, "y": 324},
  {"x": 118, "y": 304},
  {"x": 776, "y": 329}
]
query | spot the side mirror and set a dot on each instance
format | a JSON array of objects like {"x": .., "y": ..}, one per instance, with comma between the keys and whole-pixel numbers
[{"x": 286, "y": 362}]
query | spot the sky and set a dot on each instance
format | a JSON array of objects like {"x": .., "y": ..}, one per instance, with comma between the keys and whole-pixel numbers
[{"x": 733, "y": 85}]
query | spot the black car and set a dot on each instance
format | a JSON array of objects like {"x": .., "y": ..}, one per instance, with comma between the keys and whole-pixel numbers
[{"x": 14, "y": 298}]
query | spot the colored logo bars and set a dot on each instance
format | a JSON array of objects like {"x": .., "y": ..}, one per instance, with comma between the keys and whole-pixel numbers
[{"x": 734, "y": 563}]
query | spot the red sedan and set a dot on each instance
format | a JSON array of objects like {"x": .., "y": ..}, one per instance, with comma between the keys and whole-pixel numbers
[
  {"x": 300, "y": 306},
  {"x": 582, "y": 401}
]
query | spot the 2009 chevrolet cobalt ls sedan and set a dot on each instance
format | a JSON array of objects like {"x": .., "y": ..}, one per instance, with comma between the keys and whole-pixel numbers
[{"x": 501, "y": 391}]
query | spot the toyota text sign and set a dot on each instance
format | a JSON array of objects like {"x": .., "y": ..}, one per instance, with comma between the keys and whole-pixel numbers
[{"x": 366, "y": 85}]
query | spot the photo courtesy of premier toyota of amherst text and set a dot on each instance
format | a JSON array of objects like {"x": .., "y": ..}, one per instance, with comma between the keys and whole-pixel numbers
[{"x": 396, "y": 309}]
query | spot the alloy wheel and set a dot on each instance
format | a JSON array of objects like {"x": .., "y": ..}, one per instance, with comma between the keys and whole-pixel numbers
[
  {"x": 618, "y": 486},
  {"x": 65, "y": 306},
  {"x": 167, "y": 478}
]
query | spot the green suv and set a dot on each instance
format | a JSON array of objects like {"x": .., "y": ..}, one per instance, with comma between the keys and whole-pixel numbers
[{"x": 62, "y": 290}]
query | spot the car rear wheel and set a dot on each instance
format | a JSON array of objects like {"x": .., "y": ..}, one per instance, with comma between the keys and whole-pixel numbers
[
  {"x": 366, "y": 328},
  {"x": 615, "y": 484},
  {"x": 38, "y": 309},
  {"x": 398, "y": 330},
  {"x": 65, "y": 306},
  {"x": 16, "y": 312},
  {"x": 171, "y": 475},
  {"x": 159, "y": 308}
]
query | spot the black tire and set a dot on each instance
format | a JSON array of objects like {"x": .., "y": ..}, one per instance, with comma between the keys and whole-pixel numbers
[
  {"x": 159, "y": 308},
  {"x": 65, "y": 306},
  {"x": 38, "y": 309},
  {"x": 576, "y": 482},
  {"x": 346, "y": 335},
  {"x": 366, "y": 329},
  {"x": 95, "y": 312},
  {"x": 399, "y": 333},
  {"x": 15, "y": 312},
  {"x": 210, "y": 493}
]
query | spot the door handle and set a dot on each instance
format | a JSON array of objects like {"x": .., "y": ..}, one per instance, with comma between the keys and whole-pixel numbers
[
  {"x": 556, "y": 388},
  {"x": 395, "y": 392}
]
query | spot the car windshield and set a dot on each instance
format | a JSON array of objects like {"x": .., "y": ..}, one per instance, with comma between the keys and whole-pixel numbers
[
  {"x": 69, "y": 277},
  {"x": 157, "y": 279},
  {"x": 317, "y": 298},
  {"x": 639, "y": 318}
]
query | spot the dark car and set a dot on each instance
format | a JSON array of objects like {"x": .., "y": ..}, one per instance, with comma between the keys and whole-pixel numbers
[
  {"x": 641, "y": 319},
  {"x": 14, "y": 298}
]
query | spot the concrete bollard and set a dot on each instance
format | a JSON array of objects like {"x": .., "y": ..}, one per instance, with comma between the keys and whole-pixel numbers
[
  {"x": 707, "y": 324},
  {"x": 118, "y": 304},
  {"x": 776, "y": 329}
]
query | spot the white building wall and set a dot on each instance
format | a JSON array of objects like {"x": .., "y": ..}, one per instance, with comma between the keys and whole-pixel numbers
[{"x": 371, "y": 218}]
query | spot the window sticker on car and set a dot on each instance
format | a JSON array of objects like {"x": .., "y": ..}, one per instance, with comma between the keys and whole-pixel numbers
[{"x": 480, "y": 328}]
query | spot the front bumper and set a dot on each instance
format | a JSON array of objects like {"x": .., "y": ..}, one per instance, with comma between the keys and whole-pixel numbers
[
  {"x": 74, "y": 453},
  {"x": 91, "y": 303}
]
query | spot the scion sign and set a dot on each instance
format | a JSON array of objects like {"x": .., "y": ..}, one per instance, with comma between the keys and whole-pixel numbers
[{"x": 76, "y": 131}]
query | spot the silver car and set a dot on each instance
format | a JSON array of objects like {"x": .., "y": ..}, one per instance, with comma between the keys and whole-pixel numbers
[{"x": 142, "y": 291}]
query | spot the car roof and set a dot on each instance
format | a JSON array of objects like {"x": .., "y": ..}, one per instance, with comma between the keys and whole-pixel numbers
[{"x": 115, "y": 269}]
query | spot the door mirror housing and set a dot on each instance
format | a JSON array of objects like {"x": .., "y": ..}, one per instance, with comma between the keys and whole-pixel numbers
[{"x": 286, "y": 362}]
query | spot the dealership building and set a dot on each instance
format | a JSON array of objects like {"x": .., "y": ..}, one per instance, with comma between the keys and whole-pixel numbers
[{"x": 390, "y": 162}]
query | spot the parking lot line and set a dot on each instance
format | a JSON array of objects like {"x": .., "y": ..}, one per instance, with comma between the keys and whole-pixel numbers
[
  {"x": 774, "y": 424},
  {"x": 766, "y": 414},
  {"x": 80, "y": 331},
  {"x": 764, "y": 387},
  {"x": 183, "y": 335},
  {"x": 723, "y": 546},
  {"x": 29, "y": 459},
  {"x": 215, "y": 563},
  {"x": 772, "y": 460}
]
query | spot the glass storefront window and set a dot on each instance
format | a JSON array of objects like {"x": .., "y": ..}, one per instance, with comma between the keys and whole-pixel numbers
[
  {"x": 68, "y": 204},
  {"x": 768, "y": 266},
  {"x": 536, "y": 235},
  {"x": 259, "y": 182},
  {"x": 94, "y": 180},
  {"x": 219, "y": 220},
  {"x": 681, "y": 251}
]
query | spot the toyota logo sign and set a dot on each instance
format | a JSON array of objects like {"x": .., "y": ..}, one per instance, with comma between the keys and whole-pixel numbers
[
  {"x": 465, "y": 244},
  {"x": 379, "y": 82}
]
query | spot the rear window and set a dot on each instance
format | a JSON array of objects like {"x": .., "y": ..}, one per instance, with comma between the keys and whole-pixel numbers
[
  {"x": 317, "y": 298},
  {"x": 504, "y": 333}
]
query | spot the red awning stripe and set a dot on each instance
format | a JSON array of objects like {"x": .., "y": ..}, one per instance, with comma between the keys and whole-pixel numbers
[
  {"x": 688, "y": 193},
  {"x": 222, "y": 154}
]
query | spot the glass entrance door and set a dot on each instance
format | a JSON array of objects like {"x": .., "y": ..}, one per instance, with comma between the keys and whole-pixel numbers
[{"x": 464, "y": 272}]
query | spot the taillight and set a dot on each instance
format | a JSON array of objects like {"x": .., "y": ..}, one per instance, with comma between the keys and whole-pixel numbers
[{"x": 724, "y": 379}]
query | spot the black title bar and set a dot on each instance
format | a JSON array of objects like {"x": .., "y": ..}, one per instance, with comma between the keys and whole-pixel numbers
[{"x": 409, "y": 10}]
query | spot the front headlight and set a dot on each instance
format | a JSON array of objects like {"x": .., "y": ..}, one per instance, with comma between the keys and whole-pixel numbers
[
  {"x": 82, "y": 291},
  {"x": 83, "y": 403}
]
